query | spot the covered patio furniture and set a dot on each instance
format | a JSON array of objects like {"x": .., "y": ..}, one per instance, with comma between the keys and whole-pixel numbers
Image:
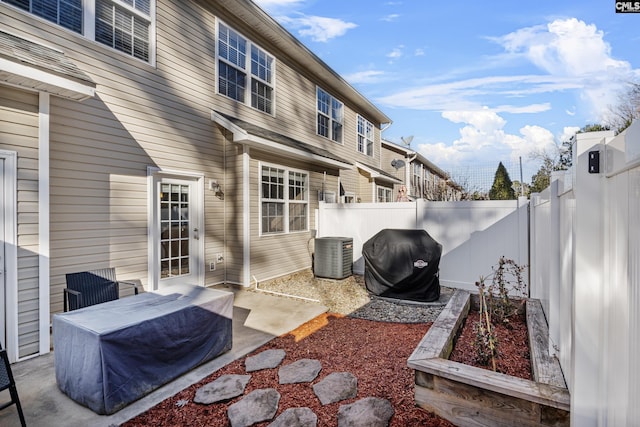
[
  {"x": 8, "y": 383},
  {"x": 93, "y": 287},
  {"x": 109, "y": 355}
]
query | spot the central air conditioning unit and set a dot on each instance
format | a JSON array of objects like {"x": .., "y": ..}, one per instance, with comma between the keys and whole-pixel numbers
[{"x": 333, "y": 257}]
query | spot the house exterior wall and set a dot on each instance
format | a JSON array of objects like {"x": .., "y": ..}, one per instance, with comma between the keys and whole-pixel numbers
[
  {"x": 158, "y": 116},
  {"x": 19, "y": 133},
  {"x": 387, "y": 156}
]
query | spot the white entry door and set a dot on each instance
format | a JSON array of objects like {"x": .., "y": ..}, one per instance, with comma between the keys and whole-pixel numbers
[{"x": 178, "y": 232}]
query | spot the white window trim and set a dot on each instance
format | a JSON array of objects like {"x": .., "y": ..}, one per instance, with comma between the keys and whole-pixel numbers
[
  {"x": 286, "y": 200},
  {"x": 89, "y": 27},
  {"x": 331, "y": 98},
  {"x": 388, "y": 191},
  {"x": 11, "y": 252},
  {"x": 247, "y": 70}
]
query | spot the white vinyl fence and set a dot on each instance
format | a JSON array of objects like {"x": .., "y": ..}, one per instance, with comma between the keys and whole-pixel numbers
[
  {"x": 581, "y": 240},
  {"x": 474, "y": 235},
  {"x": 585, "y": 265}
]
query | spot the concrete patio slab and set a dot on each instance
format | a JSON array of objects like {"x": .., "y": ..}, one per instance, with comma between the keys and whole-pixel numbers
[{"x": 257, "y": 318}]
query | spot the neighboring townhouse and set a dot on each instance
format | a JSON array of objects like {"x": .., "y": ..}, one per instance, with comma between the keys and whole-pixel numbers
[
  {"x": 179, "y": 142},
  {"x": 422, "y": 178}
]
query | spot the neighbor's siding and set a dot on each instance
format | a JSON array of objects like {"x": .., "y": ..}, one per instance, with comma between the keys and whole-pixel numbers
[
  {"x": 19, "y": 133},
  {"x": 386, "y": 158}
]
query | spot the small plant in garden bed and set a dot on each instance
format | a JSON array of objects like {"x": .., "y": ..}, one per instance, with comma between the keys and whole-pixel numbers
[{"x": 500, "y": 323}]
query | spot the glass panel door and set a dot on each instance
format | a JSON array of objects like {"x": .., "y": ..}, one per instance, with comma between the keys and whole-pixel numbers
[{"x": 177, "y": 232}]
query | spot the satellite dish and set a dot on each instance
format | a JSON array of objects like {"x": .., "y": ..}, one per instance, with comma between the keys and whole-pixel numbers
[
  {"x": 407, "y": 141},
  {"x": 397, "y": 163}
]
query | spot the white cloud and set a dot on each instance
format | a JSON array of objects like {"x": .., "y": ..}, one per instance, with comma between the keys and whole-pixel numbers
[
  {"x": 470, "y": 94},
  {"x": 571, "y": 55},
  {"x": 318, "y": 28},
  {"x": 419, "y": 52},
  {"x": 396, "y": 52},
  {"x": 569, "y": 48},
  {"x": 369, "y": 76},
  {"x": 484, "y": 140},
  {"x": 271, "y": 4},
  {"x": 390, "y": 18}
]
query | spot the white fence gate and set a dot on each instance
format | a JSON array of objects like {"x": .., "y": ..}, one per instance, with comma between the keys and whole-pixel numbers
[{"x": 584, "y": 258}]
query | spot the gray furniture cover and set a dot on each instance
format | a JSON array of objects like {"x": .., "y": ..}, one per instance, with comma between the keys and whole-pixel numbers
[{"x": 108, "y": 355}]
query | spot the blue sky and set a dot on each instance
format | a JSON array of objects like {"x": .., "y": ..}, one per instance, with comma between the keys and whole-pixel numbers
[{"x": 475, "y": 82}]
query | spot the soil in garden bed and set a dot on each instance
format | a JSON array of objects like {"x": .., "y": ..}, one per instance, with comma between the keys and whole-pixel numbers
[{"x": 513, "y": 346}]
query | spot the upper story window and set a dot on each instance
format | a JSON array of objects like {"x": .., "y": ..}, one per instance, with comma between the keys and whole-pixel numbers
[
  {"x": 124, "y": 25},
  {"x": 416, "y": 180},
  {"x": 244, "y": 70},
  {"x": 365, "y": 136},
  {"x": 330, "y": 116},
  {"x": 284, "y": 200}
]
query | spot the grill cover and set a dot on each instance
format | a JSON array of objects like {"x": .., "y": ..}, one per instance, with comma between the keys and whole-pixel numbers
[{"x": 402, "y": 264}]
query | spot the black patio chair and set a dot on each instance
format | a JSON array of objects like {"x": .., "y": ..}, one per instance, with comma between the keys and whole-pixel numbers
[
  {"x": 7, "y": 382},
  {"x": 93, "y": 287}
]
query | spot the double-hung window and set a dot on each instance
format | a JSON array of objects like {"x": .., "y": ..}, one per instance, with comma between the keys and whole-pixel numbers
[
  {"x": 365, "y": 136},
  {"x": 124, "y": 25},
  {"x": 384, "y": 194},
  {"x": 284, "y": 200},
  {"x": 245, "y": 71},
  {"x": 416, "y": 181},
  {"x": 330, "y": 116}
]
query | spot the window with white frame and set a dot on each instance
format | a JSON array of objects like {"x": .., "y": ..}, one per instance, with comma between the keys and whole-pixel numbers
[
  {"x": 365, "y": 136},
  {"x": 416, "y": 181},
  {"x": 384, "y": 194},
  {"x": 330, "y": 116},
  {"x": 349, "y": 198},
  {"x": 124, "y": 25},
  {"x": 245, "y": 71},
  {"x": 284, "y": 200}
]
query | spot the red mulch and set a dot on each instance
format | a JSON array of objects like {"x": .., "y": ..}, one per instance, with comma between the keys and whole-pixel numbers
[
  {"x": 375, "y": 352},
  {"x": 513, "y": 349}
]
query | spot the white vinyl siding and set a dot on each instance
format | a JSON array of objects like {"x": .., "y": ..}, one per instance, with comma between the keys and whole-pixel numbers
[
  {"x": 19, "y": 133},
  {"x": 245, "y": 71}
]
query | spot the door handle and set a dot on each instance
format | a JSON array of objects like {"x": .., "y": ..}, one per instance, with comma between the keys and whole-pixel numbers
[{"x": 195, "y": 234}]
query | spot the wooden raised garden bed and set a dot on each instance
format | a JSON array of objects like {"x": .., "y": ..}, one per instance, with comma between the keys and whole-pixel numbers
[{"x": 470, "y": 396}]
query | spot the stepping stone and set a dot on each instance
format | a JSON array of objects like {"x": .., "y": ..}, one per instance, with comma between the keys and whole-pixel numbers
[
  {"x": 301, "y": 371},
  {"x": 257, "y": 406},
  {"x": 296, "y": 417},
  {"x": 268, "y": 359},
  {"x": 367, "y": 412},
  {"x": 336, "y": 387},
  {"x": 224, "y": 388}
]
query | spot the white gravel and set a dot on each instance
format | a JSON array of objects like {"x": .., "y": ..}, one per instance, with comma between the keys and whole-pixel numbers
[{"x": 350, "y": 297}]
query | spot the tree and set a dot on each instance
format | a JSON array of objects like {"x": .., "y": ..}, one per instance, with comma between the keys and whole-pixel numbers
[
  {"x": 542, "y": 178},
  {"x": 502, "y": 188},
  {"x": 627, "y": 109}
]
